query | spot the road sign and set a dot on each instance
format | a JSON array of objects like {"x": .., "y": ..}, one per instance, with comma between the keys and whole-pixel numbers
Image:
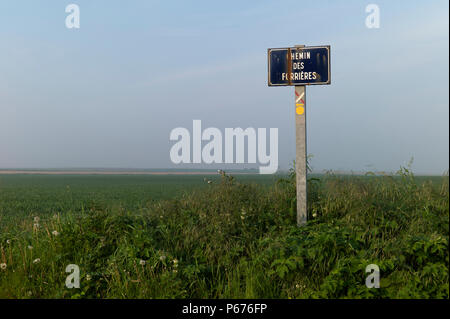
[{"x": 299, "y": 66}]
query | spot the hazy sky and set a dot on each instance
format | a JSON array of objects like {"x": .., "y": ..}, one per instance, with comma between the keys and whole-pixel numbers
[{"x": 108, "y": 94}]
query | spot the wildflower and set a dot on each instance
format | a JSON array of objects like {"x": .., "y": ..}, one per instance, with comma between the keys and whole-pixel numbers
[
  {"x": 242, "y": 217},
  {"x": 37, "y": 261},
  {"x": 142, "y": 262},
  {"x": 175, "y": 262},
  {"x": 3, "y": 266},
  {"x": 314, "y": 215},
  {"x": 8, "y": 242},
  {"x": 175, "y": 271},
  {"x": 162, "y": 258},
  {"x": 297, "y": 286},
  {"x": 36, "y": 226},
  {"x": 55, "y": 233},
  {"x": 30, "y": 247},
  {"x": 88, "y": 277},
  {"x": 209, "y": 182},
  {"x": 36, "y": 219}
]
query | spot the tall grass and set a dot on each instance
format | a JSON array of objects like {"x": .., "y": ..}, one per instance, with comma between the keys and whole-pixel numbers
[{"x": 239, "y": 240}]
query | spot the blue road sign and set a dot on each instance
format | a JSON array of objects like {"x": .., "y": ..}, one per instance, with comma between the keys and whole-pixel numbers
[{"x": 299, "y": 66}]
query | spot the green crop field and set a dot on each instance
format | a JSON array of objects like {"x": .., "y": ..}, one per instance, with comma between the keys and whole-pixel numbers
[
  {"x": 27, "y": 195},
  {"x": 222, "y": 236}
]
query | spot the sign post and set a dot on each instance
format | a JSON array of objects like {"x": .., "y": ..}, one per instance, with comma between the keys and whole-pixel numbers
[
  {"x": 300, "y": 66},
  {"x": 300, "y": 153}
]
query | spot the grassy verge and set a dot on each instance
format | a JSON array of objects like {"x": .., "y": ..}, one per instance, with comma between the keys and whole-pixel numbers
[{"x": 239, "y": 240}]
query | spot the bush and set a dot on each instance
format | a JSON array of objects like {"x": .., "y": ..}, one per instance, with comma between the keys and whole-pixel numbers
[{"x": 237, "y": 240}]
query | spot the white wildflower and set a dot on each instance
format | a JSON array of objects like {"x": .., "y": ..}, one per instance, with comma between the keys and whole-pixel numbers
[
  {"x": 55, "y": 233},
  {"x": 88, "y": 277},
  {"x": 3, "y": 266},
  {"x": 162, "y": 258},
  {"x": 36, "y": 219},
  {"x": 243, "y": 213},
  {"x": 37, "y": 261},
  {"x": 30, "y": 247},
  {"x": 142, "y": 262},
  {"x": 8, "y": 242}
]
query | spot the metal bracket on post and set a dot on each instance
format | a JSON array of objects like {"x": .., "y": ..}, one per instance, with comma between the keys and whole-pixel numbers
[{"x": 300, "y": 157}]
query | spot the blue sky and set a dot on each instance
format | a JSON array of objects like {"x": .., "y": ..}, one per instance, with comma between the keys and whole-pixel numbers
[{"x": 108, "y": 94}]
